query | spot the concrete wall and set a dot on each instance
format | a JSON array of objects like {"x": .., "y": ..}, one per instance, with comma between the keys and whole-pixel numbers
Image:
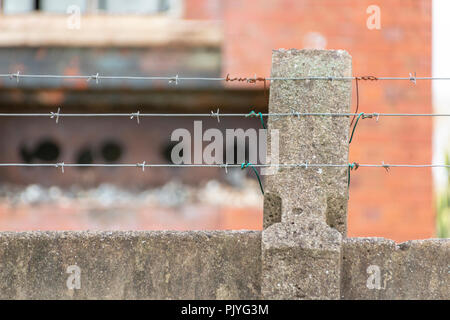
[
  {"x": 131, "y": 265},
  {"x": 378, "y": 268},
  {"x": 202, "y": 265}
]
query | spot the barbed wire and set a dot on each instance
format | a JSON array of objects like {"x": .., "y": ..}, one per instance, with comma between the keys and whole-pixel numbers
[
  {"x": 176, "y": 79},
  {"x": 171, "y": 165},
  {"x": 218, "y": 115},
  {"x": 349, "y": 166}
]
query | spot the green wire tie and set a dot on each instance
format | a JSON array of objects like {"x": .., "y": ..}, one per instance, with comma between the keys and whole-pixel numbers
[
  {"x": 254, "y": 114},
  {"x": 245, "y": 165},
  {"x": 354, "y": 127},
  {"x": 351, "y": 166}
]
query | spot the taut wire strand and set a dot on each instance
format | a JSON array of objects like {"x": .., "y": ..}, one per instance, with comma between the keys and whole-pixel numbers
[
  {"x": 171, "y": 165},
  {"x": 177, "y": 78},
  {"x": 272, "y": 114}
]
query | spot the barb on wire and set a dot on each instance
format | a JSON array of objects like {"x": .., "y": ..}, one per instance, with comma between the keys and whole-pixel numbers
[
  {"x": 225, "y": 166},
  {"x": 15, "y": 75},
  {"x": 295, "y": 113},
  {"x": 55, "y": 115},
  {"x": 377, "y": 115},
  {"x": 60, "y": 165},
  {"x": 412, "y": 78},
  {"x": 95, "y": 76},
  {"x": 142, "y": 165},
  {"x": 174, "y": 79},
  {"x": 216, "y": 115},
  {"x": 135, "y": 115}
]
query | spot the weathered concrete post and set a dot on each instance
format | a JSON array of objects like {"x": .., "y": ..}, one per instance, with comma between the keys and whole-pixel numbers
[{"x": 305, "y": 209}]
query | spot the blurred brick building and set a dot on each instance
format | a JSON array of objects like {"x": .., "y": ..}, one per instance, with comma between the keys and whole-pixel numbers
[
  {"x": 211, "y": 38},
  {"x": 398, "y": 204}
]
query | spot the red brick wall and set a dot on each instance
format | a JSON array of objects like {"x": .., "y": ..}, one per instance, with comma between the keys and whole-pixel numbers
[
  {"x": 397, "y": 204},
  {"x": 203, "y": 9}
]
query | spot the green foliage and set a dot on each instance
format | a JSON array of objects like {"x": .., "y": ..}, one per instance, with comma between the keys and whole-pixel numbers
[{"x": 443, "y": 208}]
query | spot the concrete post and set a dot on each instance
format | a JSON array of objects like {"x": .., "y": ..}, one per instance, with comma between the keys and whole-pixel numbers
[{"x": 305, "y": 209}]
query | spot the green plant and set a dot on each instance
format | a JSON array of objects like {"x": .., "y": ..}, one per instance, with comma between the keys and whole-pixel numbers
[{"x": 443, "y": 207}]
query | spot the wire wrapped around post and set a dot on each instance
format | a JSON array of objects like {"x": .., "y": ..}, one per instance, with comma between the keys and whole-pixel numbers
[{"x": 247, "y": 164}]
